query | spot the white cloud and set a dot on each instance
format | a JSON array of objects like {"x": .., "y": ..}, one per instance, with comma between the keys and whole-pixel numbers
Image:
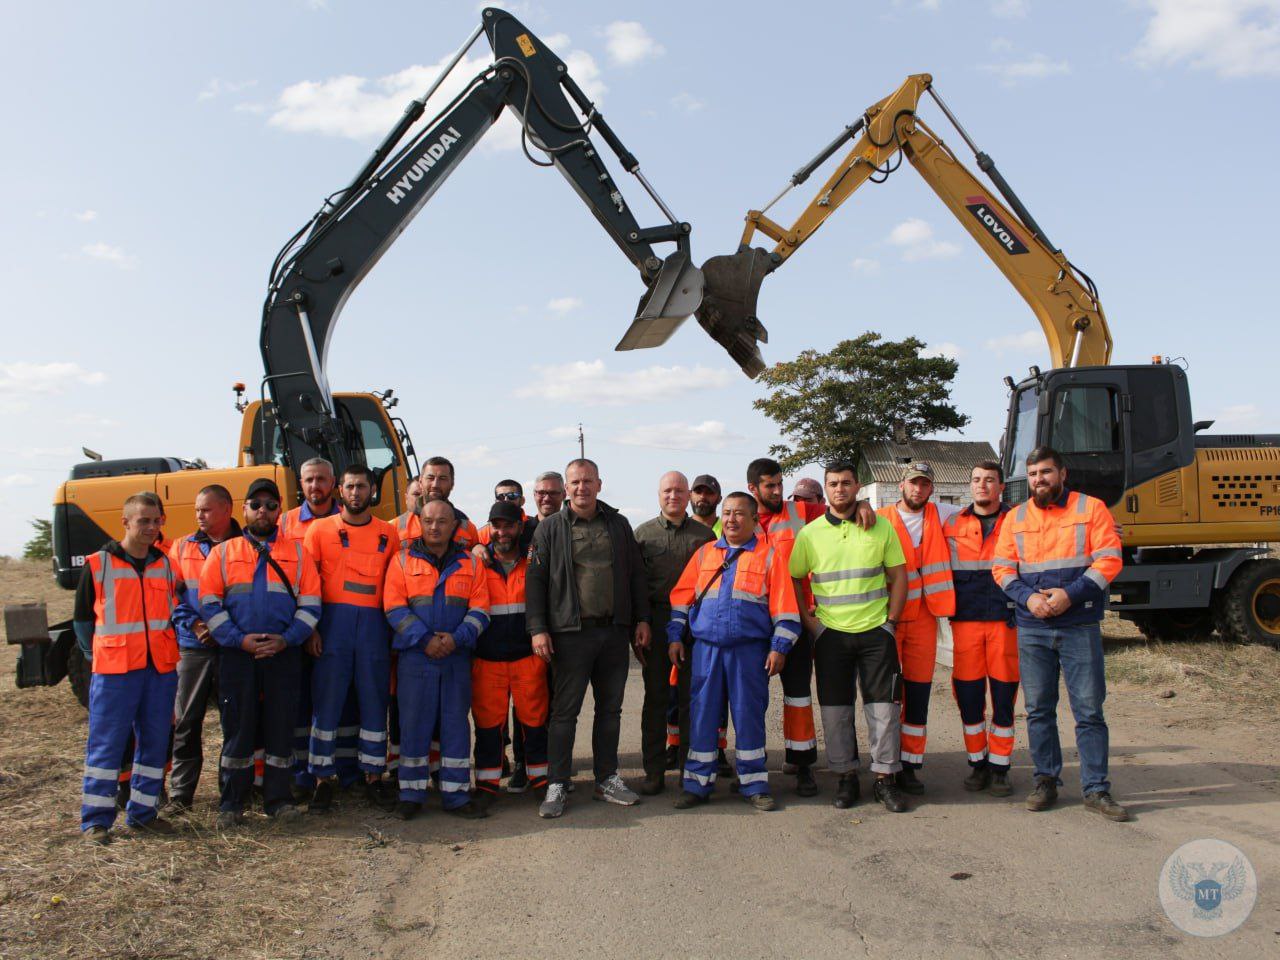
[
  {"x": 478, "y": 455},
  {"x": 1000, "y": 44},
  {"x": 563, "y": 305},
  {"x": 23, "y": 378},
  {"x": 686, "y": 102},
  {"x": 1232, "y": 38},
  {"x": 628, "y": 42},
  {"x": 866, "y": 266},
  {"x": 589, "y": 382},
  {"x": 86, "y": 216},
  {"x": 1240, "y": 416},
  {"x": 218, "y": 87},
  {"x": 915, "y": 239},
  {"x": 951, "y": 351},
  {"x": 1035, "y": 67},
  {"x": 1009, "y": 9},
  {"x": 707, "y": 435},
  {"x": 110, "y": 254},
  {"x": 1026, "y": 342},
  {"x": 361, "y": 108},
  {"x": 17, "y": 480}
]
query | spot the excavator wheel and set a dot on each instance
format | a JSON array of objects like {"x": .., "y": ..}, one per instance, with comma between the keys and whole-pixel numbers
[
  {"x": 1177, "y": 626},
  {"x": 1249, "y": 609},
  {"x": 78, "y": 674}
]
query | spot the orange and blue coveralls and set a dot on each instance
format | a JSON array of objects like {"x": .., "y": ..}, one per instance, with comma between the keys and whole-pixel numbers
[
  {"x": 355, "y": 644},
  {"x": 425, "y": 595},
  {"x": 1072, "y": 544},
  {"x": 750, "y": 610},
  {"x": 504, "y": 671},
  {"x": 242, "y": 592},
  {"x": 930, "y": 594},
  {"x": 799, "y": 734},
  {"x": 984, "y": 641},
  {"x": 135, "y": 656}
]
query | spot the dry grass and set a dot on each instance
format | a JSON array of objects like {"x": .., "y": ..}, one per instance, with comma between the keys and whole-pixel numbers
[{"x": 199, "y": 894}]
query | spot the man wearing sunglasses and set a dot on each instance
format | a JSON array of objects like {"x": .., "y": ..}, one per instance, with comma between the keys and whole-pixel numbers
[
  {"x": 260, "y": 598},
  {"x": 510, "y": 491}
]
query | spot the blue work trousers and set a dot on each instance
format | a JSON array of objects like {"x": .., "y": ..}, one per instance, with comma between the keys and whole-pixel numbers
[
  {"x": 257, "y": 695},
  {"x": 435, "y": 705},
  {"x": 344, "y": 754},
  {"x": 738, "y": 672},
  {"x": 355, "y": 656},
  {"x": 1075, "y": 654},
  {"x": 140, "y": 703}
]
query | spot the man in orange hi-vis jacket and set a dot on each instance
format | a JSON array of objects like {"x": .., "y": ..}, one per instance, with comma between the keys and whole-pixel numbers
[{"x": 1056, "y": 557}]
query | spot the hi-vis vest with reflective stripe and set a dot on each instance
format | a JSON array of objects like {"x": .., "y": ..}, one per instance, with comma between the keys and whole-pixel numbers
[
  {"x": 786, "y": 525},
  {"x": 928, "y": 566},
  {"x": 507, "y": 636},
  {"x": 132, "y": 613},
  {"x": 978, "y": 596}
]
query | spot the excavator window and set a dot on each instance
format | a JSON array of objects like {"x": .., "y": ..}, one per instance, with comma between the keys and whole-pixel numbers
[
  {"x": 1154, "y": 422},
  {"x": 1024, "y": 436},
  {"x": 380, "y": 447},
  {"x": 1085, "y": 426}
]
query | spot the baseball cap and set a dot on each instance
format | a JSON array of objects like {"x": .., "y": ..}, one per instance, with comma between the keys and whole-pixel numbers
[
  {"x": 706, "y": 480},
  {"x": 807, "y": 487},
  {"x": 263, "y": 485},
  {"x": 505, "y": 510},
  {"x": 918, "y": 468}
]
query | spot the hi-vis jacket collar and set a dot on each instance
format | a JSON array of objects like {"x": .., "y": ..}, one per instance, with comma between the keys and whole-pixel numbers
[
  {"x": 233, "y": 531},
  {"x": 419, "y": 549},
  {"x": 114, "y": 548},
  {"x": 1003, "y": 507},
  {"x": 747, "y": 547},
  {"x": 306, "y": 513}
]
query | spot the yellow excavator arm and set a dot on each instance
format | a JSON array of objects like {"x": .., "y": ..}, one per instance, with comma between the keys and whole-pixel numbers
[{"x": 1061, "y": 296}]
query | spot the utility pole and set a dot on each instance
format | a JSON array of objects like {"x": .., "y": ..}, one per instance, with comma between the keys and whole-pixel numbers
[{"x": 582, "y": 444}]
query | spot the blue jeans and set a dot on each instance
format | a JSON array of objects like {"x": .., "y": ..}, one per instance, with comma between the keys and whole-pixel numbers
[{"x": 1076, "y": 653}]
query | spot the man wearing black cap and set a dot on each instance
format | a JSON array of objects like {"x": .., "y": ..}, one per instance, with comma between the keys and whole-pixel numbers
[
  {"x": 666, "y": 543},
  {"x": 704, "y": 500}
]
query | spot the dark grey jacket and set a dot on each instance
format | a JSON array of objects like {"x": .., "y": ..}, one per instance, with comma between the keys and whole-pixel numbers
[{"x": 551, "y": 590}]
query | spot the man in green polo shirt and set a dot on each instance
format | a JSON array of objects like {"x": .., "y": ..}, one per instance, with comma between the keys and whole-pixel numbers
[{"x": 859, "y": 585}]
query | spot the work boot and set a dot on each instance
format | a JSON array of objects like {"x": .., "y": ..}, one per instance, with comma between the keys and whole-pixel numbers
[
  {"x": 286, "y": 813},
  {"x": 762, "y": 802},
  {"x": 1103, "y": 803},
  {"x": 806, "y": 786},
  {"x": 789, "y": 769},
  {"x": 407, "y": 809},
  {"x": 1000, "y": 785},
  {"x": 654, "y": 784},
  {"x": 469, "y": 811},
  {"x": 687, "y": 800},
  {"x": 322, "y": 799},
  {"x": 98, "y": 836},
  {"x": 552, "y": 805},
  {"x": 506, "y": 765},
  {"x": 484, "y": 799},
  {"x": 612, "y": 790},
  {"x": 152, "y": 828},
  {"x": 848, "y": 791},
  {"x": 177, "y": 807},
  {"x": 908, "y": 782},
  {"x": 723, "y": 766},
  {"x": 230, "y": 819},
  {"x": 979, "y": 778},
  {"x": 1044, "y": 796},
  {"x": 519, "y": 779},
  {"x": 302, "y": 794},
  {"x": 673, "y": 758},
  {"x": 379, "y": 793},
  {"x": 889, "y": 793}
]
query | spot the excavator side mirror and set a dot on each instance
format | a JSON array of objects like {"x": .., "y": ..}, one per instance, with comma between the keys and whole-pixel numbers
[{"x": 671, "y": 299}]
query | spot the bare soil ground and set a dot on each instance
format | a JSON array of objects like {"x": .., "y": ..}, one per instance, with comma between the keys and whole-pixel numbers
[{"x": 958, "y": 876}]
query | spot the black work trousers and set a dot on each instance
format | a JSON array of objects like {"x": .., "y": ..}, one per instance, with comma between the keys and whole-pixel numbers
[
  {"x": 657, "y": 698},
  {"x": 197, "y": 672},
  {"x": 250, "y": 690},
  {"x": 598, "y": 656}
]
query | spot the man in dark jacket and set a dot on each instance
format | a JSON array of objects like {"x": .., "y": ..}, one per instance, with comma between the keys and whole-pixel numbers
[{"x": 586, "y": 599}]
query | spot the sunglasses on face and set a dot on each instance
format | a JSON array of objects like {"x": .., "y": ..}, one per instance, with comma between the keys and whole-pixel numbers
[
  {"x": 506, "y": 496},
  {"x": 271, "y": 505}
]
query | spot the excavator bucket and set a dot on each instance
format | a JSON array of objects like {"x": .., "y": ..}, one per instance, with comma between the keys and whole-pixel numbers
[
  {"x": 728, "y": 310},
  {"x": 672, "y": 298}
]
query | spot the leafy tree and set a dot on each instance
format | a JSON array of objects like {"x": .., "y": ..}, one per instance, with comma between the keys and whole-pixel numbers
[
  {"x": 40, "y": 547},
  {"x": 830, "y": 405}
]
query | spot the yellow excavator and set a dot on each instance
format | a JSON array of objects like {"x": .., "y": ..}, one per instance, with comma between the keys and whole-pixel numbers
[{"x": 1197, "y": 511}]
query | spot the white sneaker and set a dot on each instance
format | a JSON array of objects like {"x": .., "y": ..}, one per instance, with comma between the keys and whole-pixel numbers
[
  {"x": 612, "y": 790},
  {"x": 552, "y": 805}
]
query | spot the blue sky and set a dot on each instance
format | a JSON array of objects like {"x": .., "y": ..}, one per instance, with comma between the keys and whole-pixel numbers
[{"x": 159, "y": 154}]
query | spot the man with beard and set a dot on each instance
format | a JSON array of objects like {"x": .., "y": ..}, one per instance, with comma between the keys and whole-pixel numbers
[
  {"x": 704, "y": 501},
  {"x": 436, "y": 483},
  {"x": 352, "y": 650},
  {"x": 930, "y": 595},
  {"x": 260, "y": 596},
  {"x": 548, "y": 494},
  {"x": 1056, "y": 557},
  {"x": 984, "y": 642},
  {"x": 505, "y": 670},
  {"x": 666, "y": 543},
  {"x": 198, "y": 664}
]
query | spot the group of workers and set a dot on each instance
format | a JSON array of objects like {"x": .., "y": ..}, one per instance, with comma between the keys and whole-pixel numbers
[{"x": 346, "y": 649}]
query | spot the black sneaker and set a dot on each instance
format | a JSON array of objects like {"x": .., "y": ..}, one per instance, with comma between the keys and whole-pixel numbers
[
  {"x": 407, "y": 809},
  {"x": 1000, "y": 785},
  {"x": 1044, "y": 796},
  {"x": 654, "y": 784},
  {"x": 979, "y": 779},
  {"x": 889, "y": 793},
  {"x": 302, "y": 795},
  {"x": 1102, "y": 802},
  {"x": 381, "y": 794},
  {"x": 322, "y": 799},
  {"x": 723, "y": 767},
  {"x": 848, "y": 791},
  {"x": 806, "y": 786},
  {"x": 673, "y": 758},
  {"x": 687, "y": 800},
  {"x": 469, "y": 811},
  {"x": 908, "y": 782},
  {"x": 519, "y": 779}
]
